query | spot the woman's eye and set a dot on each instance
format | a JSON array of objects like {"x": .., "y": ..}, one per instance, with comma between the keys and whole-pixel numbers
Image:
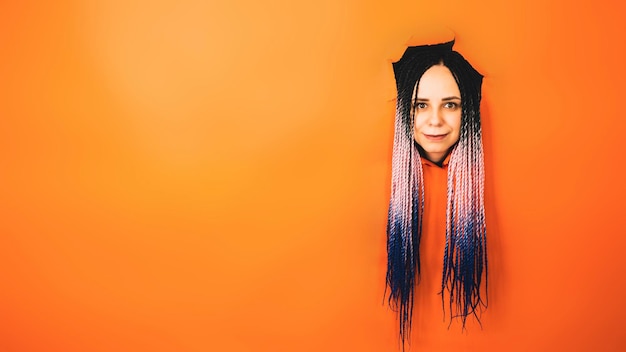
[
  {"x": 420, "y": 105},
  {"x": 451, "y": 105}
]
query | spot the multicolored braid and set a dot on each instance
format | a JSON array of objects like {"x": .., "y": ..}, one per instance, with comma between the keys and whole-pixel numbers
[{"x": 465, "y": 255}]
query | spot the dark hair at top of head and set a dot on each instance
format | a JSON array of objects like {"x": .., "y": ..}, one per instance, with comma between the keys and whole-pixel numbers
[{"x": 417, "y": 51}]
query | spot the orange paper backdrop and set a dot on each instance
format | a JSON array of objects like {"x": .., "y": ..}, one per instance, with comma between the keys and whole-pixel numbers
[{"x": 214, "y": 175}]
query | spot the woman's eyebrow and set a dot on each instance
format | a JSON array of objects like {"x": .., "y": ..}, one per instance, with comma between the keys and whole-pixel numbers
[{"x": 444, "y": 99}]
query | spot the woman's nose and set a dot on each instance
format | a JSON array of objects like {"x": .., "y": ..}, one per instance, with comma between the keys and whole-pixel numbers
[{"x": 435, "y": 117}]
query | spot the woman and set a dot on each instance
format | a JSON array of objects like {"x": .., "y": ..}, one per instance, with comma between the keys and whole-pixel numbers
[{"x": 437, "y": 189}]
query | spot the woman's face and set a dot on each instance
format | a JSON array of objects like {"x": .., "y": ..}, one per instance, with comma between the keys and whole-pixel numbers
[{"x": 437, "y": 109}]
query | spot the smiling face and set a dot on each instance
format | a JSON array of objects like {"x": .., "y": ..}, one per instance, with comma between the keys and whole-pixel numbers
[{"x": 437, "y": 112}]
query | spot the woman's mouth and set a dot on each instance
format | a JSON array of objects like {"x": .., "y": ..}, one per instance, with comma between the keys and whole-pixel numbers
[{"x": 435, "y": 137}]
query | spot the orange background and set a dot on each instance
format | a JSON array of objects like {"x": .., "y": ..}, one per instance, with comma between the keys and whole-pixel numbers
[{"x": 214, "y": 176}]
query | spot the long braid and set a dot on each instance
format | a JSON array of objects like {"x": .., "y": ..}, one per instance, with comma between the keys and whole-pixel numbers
[
  {"x": 406, "y": 207},
  {"x": 465, "y": 254},
  {"x": 404, "y": 222}
]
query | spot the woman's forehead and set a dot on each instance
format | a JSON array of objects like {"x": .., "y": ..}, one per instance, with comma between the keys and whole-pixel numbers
[{"x": 436, "y": 82}]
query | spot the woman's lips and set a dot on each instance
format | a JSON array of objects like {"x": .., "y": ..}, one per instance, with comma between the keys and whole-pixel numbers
[{"x": 435, "y": 137}]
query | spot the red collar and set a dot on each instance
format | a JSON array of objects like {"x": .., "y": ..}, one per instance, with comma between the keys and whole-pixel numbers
[{"x": 430, "y": 163}]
